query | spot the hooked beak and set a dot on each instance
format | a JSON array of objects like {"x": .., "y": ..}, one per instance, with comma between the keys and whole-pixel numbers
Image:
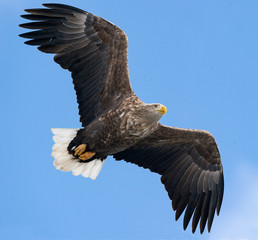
[{"x": 162, "y": 110}]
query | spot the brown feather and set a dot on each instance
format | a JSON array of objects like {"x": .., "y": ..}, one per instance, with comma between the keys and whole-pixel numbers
[
  {"x": 75, "y": 36},
  {"x": 191, "y": 169}
]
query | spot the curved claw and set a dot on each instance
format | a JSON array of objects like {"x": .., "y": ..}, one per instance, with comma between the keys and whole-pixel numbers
[
  {"x": 80, "y": 149},
  {"x": 87, "y": 155}
]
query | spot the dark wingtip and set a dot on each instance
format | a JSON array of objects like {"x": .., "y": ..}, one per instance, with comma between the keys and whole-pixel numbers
[
  {"x": 28, "y": 10},
  {"x": 21, "y": 35},
  {"x": 185, "y": 226},
  {"x": 202, "y": 227},
  {"x": 194, "y": 229},
  {"x": 178, "y": 214},
  {"x": 27, "y": 16},
  {"x": 219, "y": 207},
  {"x": 63, "y": 6},
  {"x": 49, "y": 4},
  {"x": 197, "y": 213},
  {"x": 55, "y": 5},
  {"x": 189, "y": 212},
  {"x": 219, "y": 203},
  {"x": 25, "y": 35},
  {"x": 23, "y": 25},
  {"x": 221, "y": 193},
  {"x": 186, "y": 222},
  {"x": 24, "y": 16},
  {"x": 30, "y": 42}
]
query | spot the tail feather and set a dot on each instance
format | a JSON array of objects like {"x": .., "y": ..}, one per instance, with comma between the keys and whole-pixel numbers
[
  {"x": 59, "y": 148},
  {"x": 65, "y": 161}
]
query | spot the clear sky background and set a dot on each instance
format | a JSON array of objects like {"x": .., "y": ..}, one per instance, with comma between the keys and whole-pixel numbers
[{"x": 199, "y": 58}]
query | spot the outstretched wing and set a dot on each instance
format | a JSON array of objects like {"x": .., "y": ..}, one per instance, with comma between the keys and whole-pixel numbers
[
  {"x": 191, "y": 169},
  {"x": 93, "y": 49}
]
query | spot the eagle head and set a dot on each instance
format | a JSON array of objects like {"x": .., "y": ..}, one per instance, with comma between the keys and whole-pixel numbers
[
  {"x": 153, "y": 112},
  {"x": 159, "y": 108}
]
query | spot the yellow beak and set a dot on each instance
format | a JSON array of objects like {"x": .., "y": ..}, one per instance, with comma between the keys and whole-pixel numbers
[{"x": 162, "y": 110}]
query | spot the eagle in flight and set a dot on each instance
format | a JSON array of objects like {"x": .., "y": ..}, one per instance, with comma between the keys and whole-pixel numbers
[{"x": 116, "y": 122}]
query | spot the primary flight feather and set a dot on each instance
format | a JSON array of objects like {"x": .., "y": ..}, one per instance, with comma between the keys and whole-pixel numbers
[{"x": 116, "y": 122}]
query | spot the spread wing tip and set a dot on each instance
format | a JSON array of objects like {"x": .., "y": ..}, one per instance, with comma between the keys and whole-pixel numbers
[
  {"x": 203, "y": 210},
  {"x": 62, "y": 6}
]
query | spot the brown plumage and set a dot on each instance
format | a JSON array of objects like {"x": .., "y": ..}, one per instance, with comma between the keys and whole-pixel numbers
[{"x": 116, "y": 122}]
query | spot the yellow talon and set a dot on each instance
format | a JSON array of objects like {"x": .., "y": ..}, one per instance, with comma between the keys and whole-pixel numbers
[
  {"x": 80, "y": 149},
  {"x": 87, "y": 155}
]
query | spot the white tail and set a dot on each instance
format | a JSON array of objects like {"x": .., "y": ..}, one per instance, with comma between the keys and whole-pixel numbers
[{"x": 65, "y": 161}]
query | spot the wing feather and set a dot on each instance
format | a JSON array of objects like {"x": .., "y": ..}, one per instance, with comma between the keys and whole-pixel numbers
[
  {"x": 93, "y": 49},
  {"x": 191, "y": 169}
]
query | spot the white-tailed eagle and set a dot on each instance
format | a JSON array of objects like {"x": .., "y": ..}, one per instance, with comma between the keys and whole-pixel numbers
[{"x": 116, "y": 122}]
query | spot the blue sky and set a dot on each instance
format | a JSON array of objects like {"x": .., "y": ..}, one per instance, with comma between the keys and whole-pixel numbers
[{"x": 199, "y": 58}]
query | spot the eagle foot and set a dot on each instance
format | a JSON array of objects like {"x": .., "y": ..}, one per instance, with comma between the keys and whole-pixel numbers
[
  {"x": 80, "y": 149},
  {"x": 87, "y": 155}
]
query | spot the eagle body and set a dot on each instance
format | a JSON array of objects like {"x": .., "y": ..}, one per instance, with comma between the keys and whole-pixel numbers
[
  {"x": 118, "y": 129},
  {"x": 116, "y": 122}
]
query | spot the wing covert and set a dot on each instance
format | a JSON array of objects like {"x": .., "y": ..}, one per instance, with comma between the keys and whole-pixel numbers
[
  {"x": 93, "y": 49},
  {"x": 191, "y": 169}
]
